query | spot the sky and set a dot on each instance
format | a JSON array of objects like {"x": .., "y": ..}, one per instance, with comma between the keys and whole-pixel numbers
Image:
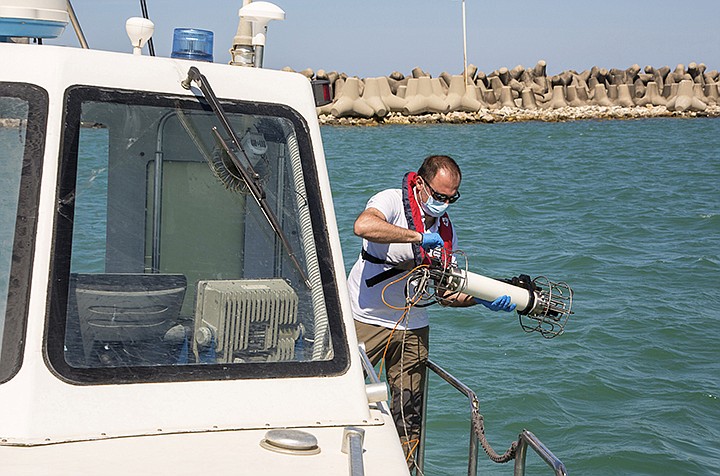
[{"x": 368, "y": 38}]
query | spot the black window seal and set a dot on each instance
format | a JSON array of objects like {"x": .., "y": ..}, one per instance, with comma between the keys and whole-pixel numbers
[
  {"x": 23, "y": 251},
  {"x": 62, "y": 245}
]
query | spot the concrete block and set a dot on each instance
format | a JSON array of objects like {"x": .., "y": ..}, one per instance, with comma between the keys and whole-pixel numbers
[
  {"x": 506, "y": 97},
  {"x": 612, "y": 92},
  {"x": 462, "y": 97},
  {"x": 558, "y": 98},
  {"x": 350, "y": 104},
  {"x": 496, "y": 85},
  {"x": 517, "y": 72},
  {"x": 392, "y": 101},
  {"x": 481, "y": 78},
  {"x": 625, "y": 97},
  {"x": 663, "y": 71},
  {"x": 711, "y": 93},
  {"x": 631, "y": 73},
  {"x": 573, "y": 100},
  {"x": 652, "y": 96},
  {"x": 445, "y": 80},
  {"x": 516, "y": 86},
  {"x": 490, "y": 99},
  {"x": 592, "y": 82},
  {"x": 670, "y": 90},
  {"x": 504, "y": 75},
  {"x": 600, "y": 97},
  {"x": 527, "y": 97},
  {"x": 471, "y": 73},
  {"x": 685, "y": 100},
  {"x": 696, "y": 71},
  {"x": 540, "y": 69},
  {"x": 421, "y": 97},
  {"x": 417, "y": 72},
  {"x": 699, "y": 92},
  {"x": 371, "y": 95},
  {"x": 583, "y": 94}
]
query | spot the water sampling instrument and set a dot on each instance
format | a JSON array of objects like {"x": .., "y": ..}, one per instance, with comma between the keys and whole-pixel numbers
[{"x": 543, "y": 306}]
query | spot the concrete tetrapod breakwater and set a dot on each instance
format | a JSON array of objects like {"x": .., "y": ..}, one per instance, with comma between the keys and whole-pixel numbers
[{"x": 521, "y": 94}]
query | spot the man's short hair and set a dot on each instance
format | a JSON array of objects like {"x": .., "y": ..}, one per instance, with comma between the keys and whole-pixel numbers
[{"x": 432, "y": 165}]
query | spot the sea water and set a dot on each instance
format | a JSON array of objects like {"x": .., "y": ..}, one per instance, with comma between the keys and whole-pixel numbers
[{"x": 627, "y": 213}]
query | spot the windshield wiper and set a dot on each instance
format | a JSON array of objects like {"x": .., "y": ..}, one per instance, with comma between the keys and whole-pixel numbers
[{"x": 247, "y": 173}]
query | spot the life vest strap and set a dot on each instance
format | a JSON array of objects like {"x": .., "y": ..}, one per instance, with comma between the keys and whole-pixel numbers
[
  {"x": 380, "y": 277},
  {"x": 396, "y": 269},
  {"x": 372, "y": 259}
]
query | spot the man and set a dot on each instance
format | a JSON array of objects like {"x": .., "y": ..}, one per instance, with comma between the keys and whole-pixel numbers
[{"x": 398, "y": 227}]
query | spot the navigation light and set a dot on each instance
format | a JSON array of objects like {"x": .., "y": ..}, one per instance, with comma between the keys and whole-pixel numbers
[{"x": 193, "y": 44}]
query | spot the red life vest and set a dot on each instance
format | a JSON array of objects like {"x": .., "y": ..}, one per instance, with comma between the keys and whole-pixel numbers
[{"x": 416, "y": 222}]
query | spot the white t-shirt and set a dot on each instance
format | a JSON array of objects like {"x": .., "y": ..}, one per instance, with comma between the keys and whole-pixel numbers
[{"x": 367, "y": 303}]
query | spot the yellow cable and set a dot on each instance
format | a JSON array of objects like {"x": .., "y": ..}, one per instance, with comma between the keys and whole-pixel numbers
[
  {"x": 410, "y": 303},
  {"x": 382, "y": 294},
  {"x": 405, "y": 310},
  {"x": 411, "y": 450}
]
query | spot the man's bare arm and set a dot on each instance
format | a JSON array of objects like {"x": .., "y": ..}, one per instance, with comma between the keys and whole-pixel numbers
[{"x": 372, "y": 225}]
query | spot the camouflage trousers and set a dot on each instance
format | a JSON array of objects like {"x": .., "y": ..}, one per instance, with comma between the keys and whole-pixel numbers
[{"x": 405, "y": 368}]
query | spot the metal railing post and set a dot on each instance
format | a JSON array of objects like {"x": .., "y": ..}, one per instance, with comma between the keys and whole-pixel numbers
[
  {"x": 520, "y": 455},
  {"x": 76, "y": 25},
  {"x": 420, "y": 455},
  {"x": 472, "y": 452},
  {"x": 465, "y": 390},
  {"x": 372, "y": 375},
  {"x": 525, "y": 439}
]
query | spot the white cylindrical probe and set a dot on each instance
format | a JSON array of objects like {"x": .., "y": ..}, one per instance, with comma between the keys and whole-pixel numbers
[{"x": 490, "y": 289}]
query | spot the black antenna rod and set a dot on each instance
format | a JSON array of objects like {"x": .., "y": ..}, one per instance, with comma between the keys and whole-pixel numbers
[{"x": 151, "y": 47}]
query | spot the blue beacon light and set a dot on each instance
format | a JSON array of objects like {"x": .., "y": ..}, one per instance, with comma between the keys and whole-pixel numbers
[{"x": 192, "y": 44}]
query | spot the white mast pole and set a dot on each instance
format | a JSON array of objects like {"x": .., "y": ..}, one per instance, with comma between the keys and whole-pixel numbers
[{"x": 465, "y": 71}]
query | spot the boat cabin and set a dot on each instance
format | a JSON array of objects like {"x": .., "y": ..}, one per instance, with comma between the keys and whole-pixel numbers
[{"x": 172, "y": 292}]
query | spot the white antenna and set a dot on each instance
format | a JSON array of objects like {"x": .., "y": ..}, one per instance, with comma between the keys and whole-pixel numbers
[
  {"x": 260, "y": 14},
  {"x": 140, "y": 30}
]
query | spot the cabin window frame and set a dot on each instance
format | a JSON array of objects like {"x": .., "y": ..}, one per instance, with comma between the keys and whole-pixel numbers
[
  {"x": 60, "y": 259},
  {"x": 23, "y": 250}
]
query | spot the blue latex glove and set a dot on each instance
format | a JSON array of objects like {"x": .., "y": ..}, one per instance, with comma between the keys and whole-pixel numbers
[
  {"x": 432, "y": 240},
  {"x": 503, "y": 303}
]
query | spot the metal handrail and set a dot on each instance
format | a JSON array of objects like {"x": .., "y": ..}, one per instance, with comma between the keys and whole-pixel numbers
[
  {"x": 76, "y": 25},
  {"x": 372, "y": 375},
  {"x": 525, "y": 439},
  {"x": 474, "y": 403}
]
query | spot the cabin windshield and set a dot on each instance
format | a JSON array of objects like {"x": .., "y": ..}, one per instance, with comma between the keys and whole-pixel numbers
[
  {"x": 23, "y": 115},
  {"x": 165, "y": 260},
  {"x": 13, "y": 135}
]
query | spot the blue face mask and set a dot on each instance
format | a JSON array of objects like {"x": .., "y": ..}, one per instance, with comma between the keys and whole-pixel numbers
[{"x": 434, "y": 208}]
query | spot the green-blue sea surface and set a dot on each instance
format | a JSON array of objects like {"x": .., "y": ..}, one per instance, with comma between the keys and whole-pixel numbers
[{"x": 627, "y": 213}]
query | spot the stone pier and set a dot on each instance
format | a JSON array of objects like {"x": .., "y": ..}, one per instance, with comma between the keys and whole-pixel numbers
[{"x": 521, "y": 94}]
